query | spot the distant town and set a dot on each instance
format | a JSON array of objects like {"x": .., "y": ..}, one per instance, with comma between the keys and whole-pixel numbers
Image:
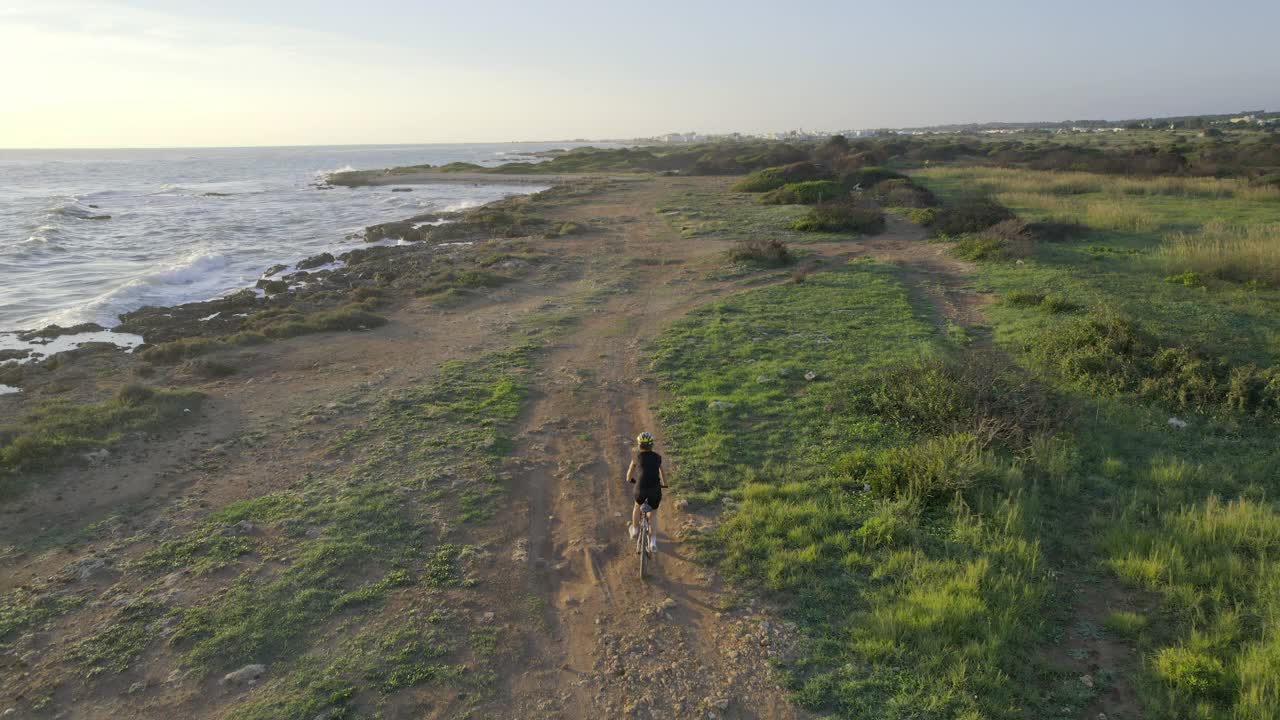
[{"x": 1251, "y": 119}]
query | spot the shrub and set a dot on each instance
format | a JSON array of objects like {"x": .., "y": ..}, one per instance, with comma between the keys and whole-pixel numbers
[
  {"x": 841, "y": 217},
  {"x": 1192, "y": 673},
  {"x": 902, "y": 192},
  {"x": 134, "y": 394},
  {"x": 970, "y": 215},
  {"x": 775, "y": 177},
  {"x": 759, "y": 251},
  {"x": 804, "y": 193},
  {"x": 177, "y": 350},
  {"x": 979, "y": 394},
  {"x": 206, "y": 368},
  {"x": 1125, "y": 623},
  {"x": 1004, "y": 240},
  {"x": 980, "y": 247},
  {"x": 1108, "y": 353},
  {"x": 931, "y": 469},
  {"x": 867, "y": 177}
]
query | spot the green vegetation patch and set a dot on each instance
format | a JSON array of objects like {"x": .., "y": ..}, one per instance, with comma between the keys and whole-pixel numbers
[
  {"x": 50, "y": 435},
  {"x": 877, "y": 493},
  {"x": 842, "y": 217},
  {"x": 805, "y": 193}
]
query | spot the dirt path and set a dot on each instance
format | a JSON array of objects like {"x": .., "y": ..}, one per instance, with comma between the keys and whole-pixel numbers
[{"x": 615, "y": 645}]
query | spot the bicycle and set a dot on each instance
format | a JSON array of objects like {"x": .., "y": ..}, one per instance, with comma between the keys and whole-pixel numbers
[{"x": 642, "y": 538}]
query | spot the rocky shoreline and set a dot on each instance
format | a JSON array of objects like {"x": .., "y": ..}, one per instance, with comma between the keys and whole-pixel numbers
[{"x": 442, "y": 255}]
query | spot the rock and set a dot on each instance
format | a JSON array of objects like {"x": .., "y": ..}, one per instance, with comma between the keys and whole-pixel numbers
[
  {"x": 97, "y": 457},
  {"x": 86, "y": 568},
  {"x": 240, "y": 529},
  {"x": 811, "y": 376},
  {"x": 273, "y": 270},
  {"x": 315, "y": 261},
  {"x": 401, "y": 189},
  {"x": 488, "y": 618},
  {"x": 1177, "y": 423},
  {"x": 272, "y": 287},
  {"x": 1087, "y": 681},
  {"x": 763, "y": 379},
  {"x": 247, "y": 675},
  {"x": 668, "y": 604},
  {"x": 13, "y": 354},
  {"x": 49, "y": 332},
  {"x": 720, "y": 404}
]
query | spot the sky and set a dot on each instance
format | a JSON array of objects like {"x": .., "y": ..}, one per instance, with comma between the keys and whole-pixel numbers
[{"x": 185, "y": 73}]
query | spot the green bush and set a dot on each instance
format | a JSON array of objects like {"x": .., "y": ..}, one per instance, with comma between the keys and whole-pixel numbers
[
  {"x": 934, "y": 468},
  {"x": 980, "y": 247},
  {"x": 178, "y": 350},
  {"x": 1002, "y": 241},
  {"x": 206, "y": 368},
  {"x": 970, "y": 215},
  {"x": 804, "y": 193},
  {"x": 902, "y": 193},
  {"x": 979, "y": 394},
  {"x": 868, "y": 177},
  {"x": 1192, "y": 673},
  {"x": 775, "y": 177},
  {"x": 759, "y": 251},
  {"x": 841, "y": 217},
  {"x": 1108, "y": 353}
]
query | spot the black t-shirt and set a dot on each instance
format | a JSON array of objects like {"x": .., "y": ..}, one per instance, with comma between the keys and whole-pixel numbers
[{"x": 649, "y": 462}]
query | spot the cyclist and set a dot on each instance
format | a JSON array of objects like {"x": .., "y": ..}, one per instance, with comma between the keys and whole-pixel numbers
[{"x": 648, "y": 488}]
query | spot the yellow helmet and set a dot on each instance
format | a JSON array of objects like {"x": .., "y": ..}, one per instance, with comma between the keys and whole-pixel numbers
[{"x": 645, "y": 439}]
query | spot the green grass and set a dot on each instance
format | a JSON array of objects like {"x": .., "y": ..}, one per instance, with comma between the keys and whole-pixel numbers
[
  {"x": 1184, "y": 516},
  {"x": 712, "y": 214},
  {"x": 921, "y": 597},
  {"x": 52, "y": 434}
]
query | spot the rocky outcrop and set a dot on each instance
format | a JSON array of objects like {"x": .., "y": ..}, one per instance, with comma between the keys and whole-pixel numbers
[{"x": 50, "y": 332}]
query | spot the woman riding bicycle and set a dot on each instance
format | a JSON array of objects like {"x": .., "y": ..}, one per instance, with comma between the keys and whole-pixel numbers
[{"x": 648, "y": 488}]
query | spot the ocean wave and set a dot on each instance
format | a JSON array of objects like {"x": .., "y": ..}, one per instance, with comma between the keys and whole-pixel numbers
[
  {"x": 76, "y": 210},
  {"x": 165, "y": 285}
]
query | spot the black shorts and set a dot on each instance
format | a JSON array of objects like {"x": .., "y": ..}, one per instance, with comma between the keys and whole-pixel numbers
[{"x": 653, "y": 497}]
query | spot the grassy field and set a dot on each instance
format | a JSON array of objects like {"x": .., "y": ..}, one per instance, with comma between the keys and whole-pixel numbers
[
  {"x": 1154, "y": 329},
  {"x": 900, "y": 530}
]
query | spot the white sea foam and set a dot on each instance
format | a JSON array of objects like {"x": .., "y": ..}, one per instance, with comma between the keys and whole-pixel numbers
[
  {"x": 168, "y": 242},
  {"x": 9, "y": 390}
]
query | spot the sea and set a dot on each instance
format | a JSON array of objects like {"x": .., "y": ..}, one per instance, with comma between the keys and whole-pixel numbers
[{"x": 88, "y": 234}]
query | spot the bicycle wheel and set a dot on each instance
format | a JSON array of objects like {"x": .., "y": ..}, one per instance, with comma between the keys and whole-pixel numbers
[{"x": 643, "y": 548}]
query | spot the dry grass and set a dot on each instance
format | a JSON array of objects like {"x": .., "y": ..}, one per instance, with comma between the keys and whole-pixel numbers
[
  {"x": 1066, "y": 184},
  {"x": 1102, "y": 212},
  {"x": 1231, "y": 252}
]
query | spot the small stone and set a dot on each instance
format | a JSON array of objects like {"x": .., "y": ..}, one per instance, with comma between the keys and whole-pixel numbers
[
  {"x": 1177, "y": 423},
  {"x": 668, "y": 604},
  {"x": 720, "y": 404},
  {"x": 97, "y": 457},
  {"x": 811, "y": 376},
  {"x": 244, "y": 527},
  {"x": 1086, "y": 680},
  {"x": 763, "y": 379},
  {"x": 248, "y": 674},
  {"x": 487, "y": 618}
]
